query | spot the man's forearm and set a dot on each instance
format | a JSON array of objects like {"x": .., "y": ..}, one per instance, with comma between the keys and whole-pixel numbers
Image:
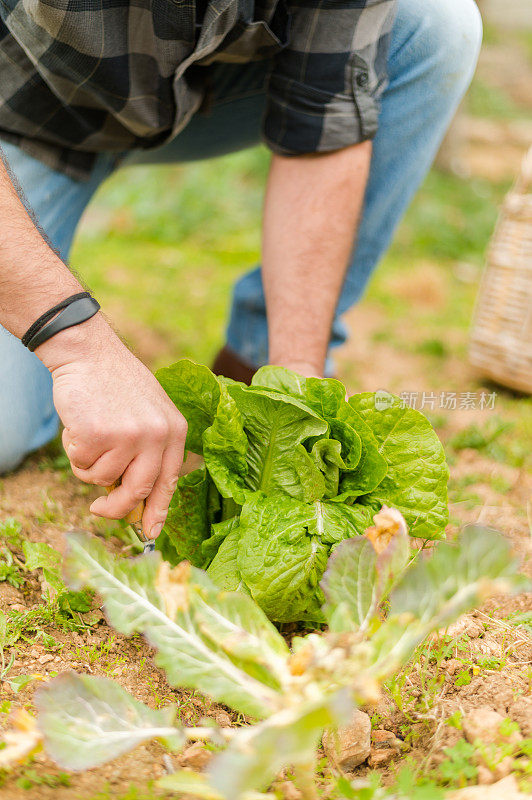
[
  {"x": 311, "y": 212},
  {"x": 118, "y": 421},
  {"x": 32, "y": 277}
]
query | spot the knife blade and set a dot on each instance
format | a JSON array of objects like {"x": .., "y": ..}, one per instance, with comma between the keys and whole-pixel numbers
[{"x": 134, "y": 520}]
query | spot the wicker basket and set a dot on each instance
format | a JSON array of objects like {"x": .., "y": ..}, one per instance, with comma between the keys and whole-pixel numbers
[{"x": 501, "y": 337}]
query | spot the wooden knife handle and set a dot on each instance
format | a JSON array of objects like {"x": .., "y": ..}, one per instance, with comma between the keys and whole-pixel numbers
[{"x": 134, "y": 517}]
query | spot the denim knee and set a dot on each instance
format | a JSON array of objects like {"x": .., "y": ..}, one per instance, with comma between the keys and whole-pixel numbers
[
  {"x": 450, "y": 33},
  {"x": 12, "y": 454},
  {"x": 23, "y": 436},
  {"x": 27, "y": 415}
]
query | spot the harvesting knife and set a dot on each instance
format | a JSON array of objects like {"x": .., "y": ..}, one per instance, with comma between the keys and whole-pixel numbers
[{"x": 134, "y": 520}]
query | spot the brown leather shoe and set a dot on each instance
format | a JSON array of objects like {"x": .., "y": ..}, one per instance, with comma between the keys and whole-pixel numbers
[{"x": 230, "y": 365}]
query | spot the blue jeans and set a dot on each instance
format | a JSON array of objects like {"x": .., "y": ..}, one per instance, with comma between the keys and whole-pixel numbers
[{"x": 433, "y": 52}]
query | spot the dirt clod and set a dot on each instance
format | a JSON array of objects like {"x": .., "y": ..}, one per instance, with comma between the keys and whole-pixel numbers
[
  {"x": 195, "y": 756},
  {"x": 521, "y": 712},
  {"x": 288, "y": 790},
  {"x": 467, "y": 625},
  {"x": 452, "y": 666},
  {"x": 223, "y": 719},
  {"x": 485, "y": 724},
  {"x": 506, "y": 789},
  {"x": 381, "y": 757}
]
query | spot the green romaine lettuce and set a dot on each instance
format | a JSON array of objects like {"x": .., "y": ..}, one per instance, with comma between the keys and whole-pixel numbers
[{"x": 295, "y": 469}]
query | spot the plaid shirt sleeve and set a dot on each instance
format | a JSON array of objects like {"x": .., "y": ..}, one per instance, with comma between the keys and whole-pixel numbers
[{"x": 324, "y": 89}]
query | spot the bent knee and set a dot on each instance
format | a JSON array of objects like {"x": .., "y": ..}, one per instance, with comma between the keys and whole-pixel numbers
[
  {"x": 449, "y": 33},
  {"x": 12, "y": 454},
  {"x": 22, "y": 436}
]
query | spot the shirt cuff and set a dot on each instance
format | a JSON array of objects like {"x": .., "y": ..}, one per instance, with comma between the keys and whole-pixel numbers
[{"x": 301, "y": 119}]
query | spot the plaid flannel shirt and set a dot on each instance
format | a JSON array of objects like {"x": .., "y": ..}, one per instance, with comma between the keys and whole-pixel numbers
[{"x": 78, "y": 77}]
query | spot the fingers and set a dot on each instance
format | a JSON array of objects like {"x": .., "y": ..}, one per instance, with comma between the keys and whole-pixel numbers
[
  {"x": 137, "y": 483},
  {"x": 159, "y": 498},
  {"x": 107, "y": 469},
  {"x": 82, "y": 452}
]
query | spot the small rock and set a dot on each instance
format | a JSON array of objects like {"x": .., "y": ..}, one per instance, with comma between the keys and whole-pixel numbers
[
  {"x": 504, "y": 768},
  {"x": 288, "y": 790},
  {"x": 351, "y": 744},
  {"x": 45, "y": 658},
  {"x": 381, "y": 738},
  {"x": 196, "y": 756},
  {"x": 452, "y": 665},
  {"x": 9, "y": 595},
  {"x": 223, "y": 719},
  {"x": 18, "y": 607},
  {"x": 465, "y": 625},
  {"x": 484, "y": 723},
  {"x": 507, "y": 789},
  {"x": 385, "y": 746},
  {"x": 381, "y": 757}
]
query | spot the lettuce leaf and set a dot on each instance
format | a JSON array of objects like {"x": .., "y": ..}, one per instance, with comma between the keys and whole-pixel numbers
[
  {"x": 275, "y": 427},
  {"x": 416, "y": 480},
  {"x": 196, "y": 392},
  {"x": 365, "y": 466},
  {"x": 189, "y": 519}
]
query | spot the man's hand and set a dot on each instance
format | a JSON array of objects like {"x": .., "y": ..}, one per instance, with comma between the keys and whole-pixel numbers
[{"x": 118, "y": 421}]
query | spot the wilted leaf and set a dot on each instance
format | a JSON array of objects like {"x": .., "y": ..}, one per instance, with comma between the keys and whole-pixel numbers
[
  {"x": 20, "y": 740},
  {"x": 456, "y": 576},
  {"x": 134, "y": 604},
  {"x": 453, "y": 578},
  {"x": 87, "y": 721},
  {"x": 389, "y": 537},
  {"x": 350, "y": 586}
]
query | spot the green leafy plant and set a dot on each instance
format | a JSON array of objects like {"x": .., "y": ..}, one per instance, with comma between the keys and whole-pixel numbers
[
  {"x": 459, "y": 766},
  {"x": 292, "y": 469},
  {"x": 222, "y": 644},
  {"x": 10, "y": 568},
  {"x": 40, "y": 555}
]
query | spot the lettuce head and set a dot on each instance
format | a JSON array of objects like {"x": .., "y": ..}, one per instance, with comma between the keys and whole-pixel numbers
[{"x": 291, "y": 469}]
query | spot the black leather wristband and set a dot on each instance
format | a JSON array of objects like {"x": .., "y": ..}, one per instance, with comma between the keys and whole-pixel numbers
[
  {"x": 79, "y": 310},
  {"x": 47, "y": 316}
]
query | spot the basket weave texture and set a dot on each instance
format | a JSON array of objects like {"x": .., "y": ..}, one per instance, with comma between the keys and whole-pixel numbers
[{"x": 501, "y": 336}]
